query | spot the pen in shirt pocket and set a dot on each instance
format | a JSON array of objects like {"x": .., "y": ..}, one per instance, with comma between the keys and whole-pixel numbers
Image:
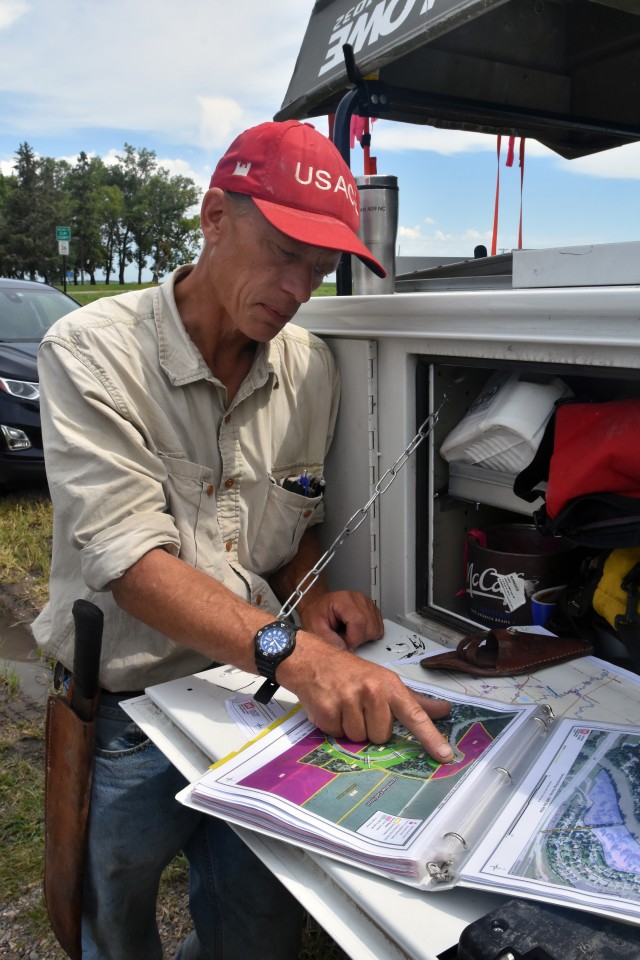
[{"x": 304, "y": 485}]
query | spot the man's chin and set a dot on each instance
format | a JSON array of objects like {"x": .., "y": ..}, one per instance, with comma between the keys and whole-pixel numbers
[{"x": 269, "y": 324}]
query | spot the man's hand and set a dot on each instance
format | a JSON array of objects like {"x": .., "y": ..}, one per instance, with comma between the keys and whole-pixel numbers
[
  {"x": 344, "y": 618},
  {"x": 349, "y": 697}
]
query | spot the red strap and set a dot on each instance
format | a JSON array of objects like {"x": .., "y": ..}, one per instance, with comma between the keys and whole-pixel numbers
[
  {"x": 366, "y": 141},
  {"x": 508, "y": 163},
  {"x": 494, "y": 239},
  {"x": 361, "y": 133},
  {"x": 521, "y": 187},
  {"x": 481, "y": 537}
]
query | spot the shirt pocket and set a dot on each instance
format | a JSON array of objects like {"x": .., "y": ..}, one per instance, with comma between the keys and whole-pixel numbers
[
  {"x": 285, "y": 518},
  {"x": 191, "y": 501}
]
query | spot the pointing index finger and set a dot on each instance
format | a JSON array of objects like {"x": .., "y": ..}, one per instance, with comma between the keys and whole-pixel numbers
[{"x": 412, "y": 712}]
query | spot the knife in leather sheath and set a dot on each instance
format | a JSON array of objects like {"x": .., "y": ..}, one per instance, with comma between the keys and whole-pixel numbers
[
  {"x": 88, "y": 619},
  {"x": 70, "y": 734}
]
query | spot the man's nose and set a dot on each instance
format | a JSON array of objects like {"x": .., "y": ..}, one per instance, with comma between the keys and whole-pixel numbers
[{"x": 299, "y": 282}]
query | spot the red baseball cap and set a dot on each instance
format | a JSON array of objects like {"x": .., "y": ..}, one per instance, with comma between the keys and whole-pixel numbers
[{"x": 300, "y": 183}]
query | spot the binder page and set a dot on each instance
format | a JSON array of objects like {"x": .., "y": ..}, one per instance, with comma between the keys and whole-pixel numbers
[
  {"x": 573, "y": 834},
  {"x": 373, "y": 805}
]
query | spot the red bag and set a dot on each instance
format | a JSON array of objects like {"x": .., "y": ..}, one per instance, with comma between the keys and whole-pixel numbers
[
  {"x": 590, "y": 457},
  {"x": 596, "y": 450}
]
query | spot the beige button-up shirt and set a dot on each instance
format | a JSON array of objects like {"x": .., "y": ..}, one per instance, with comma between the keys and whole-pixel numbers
[{"x": 142, "y": 452}]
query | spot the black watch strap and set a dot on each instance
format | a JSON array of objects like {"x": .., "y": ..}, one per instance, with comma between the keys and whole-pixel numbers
[
  {"x": 268, "y": 660},
  {"x": 266, "y": 691}
]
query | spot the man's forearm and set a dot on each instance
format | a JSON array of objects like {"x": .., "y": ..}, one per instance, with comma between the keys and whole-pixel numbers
[
  {"x": 191, "y": 608},
  {"x": 344, "y": 695}
]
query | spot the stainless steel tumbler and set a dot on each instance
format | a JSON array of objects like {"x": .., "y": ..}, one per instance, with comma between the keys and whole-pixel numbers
[{"x": 378, "y": 230}]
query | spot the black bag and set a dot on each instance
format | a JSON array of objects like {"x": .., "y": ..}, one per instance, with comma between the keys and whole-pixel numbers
[{"x": 601, "y": 605}]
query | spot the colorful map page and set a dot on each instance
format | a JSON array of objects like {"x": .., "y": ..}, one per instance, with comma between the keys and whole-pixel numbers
[{"x": 348, "y": 783}]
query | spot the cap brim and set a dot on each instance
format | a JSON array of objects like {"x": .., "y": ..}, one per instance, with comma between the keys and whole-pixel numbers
[{"x": 318, "y": 231}]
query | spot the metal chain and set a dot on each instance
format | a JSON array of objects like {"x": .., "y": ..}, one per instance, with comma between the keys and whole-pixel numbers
[{"x": 360, "y": 515}]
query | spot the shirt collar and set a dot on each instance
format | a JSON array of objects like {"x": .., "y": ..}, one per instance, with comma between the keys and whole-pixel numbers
[{"x": 180, "y": 358}]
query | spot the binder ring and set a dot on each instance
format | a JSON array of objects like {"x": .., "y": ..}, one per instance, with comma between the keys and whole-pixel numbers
[
  {"x": 456, "y": 836},
  {"x": 506, "y": 773}
]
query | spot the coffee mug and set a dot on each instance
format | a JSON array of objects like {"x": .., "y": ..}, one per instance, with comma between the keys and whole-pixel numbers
[{"x": 543, "y": 604}]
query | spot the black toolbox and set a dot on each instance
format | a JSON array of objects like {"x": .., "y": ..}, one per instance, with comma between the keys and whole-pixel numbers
[{"x": 527, "y": 930}]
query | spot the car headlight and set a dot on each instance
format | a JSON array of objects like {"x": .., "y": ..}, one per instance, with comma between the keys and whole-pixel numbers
[{"x": 21, "y": 388}]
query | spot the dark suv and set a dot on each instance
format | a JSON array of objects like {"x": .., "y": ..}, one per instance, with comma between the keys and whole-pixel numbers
[{"x": 27, "y": 310}]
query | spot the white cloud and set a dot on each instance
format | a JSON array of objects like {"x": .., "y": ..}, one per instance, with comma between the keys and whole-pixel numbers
[
  {"x": 149, "y": 66},
  {"x": 10, "y": 12},
  {"x": 409, "y": 233},
  {"x": 476, "y": 234},
  {"x": 416, "y": 241},
  {"x": 400, "y": 138},
  {"x": 622, "y": 163},
  {"x": 618, "y": 163},
  {"x": 405, "y": 137},
  {"x": 221, "y": 118}
]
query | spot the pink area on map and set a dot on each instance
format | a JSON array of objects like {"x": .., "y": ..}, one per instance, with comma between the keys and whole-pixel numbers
[
  {"x": 287, "y": 777},
  {"x": 472, "y": 745}
]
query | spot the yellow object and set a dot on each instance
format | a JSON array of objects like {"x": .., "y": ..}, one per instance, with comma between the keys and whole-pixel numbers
[{"x": 609, "y": 599}]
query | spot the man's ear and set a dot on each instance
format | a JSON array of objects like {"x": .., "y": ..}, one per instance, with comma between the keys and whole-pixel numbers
[{"x": 214, "y": 205}]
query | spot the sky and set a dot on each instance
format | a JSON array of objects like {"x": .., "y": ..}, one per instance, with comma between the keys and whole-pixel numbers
[{"x": 183, "y": 77}]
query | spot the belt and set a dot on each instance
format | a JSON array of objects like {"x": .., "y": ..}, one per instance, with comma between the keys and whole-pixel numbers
[{"x": 62, "y": 678}]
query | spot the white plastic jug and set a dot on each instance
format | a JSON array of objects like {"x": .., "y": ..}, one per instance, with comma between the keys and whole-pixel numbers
[{"x": 503, "y": 428}]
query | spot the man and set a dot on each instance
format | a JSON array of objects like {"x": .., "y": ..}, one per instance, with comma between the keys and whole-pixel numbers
[{"x": 174, "y": 419}]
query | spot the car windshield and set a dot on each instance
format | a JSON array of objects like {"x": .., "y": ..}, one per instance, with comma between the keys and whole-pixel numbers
[{"x": 27, "y": 314}]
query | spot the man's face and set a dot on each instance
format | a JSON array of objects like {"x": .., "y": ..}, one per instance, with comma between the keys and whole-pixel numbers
[{"x": 262, "y": 276}]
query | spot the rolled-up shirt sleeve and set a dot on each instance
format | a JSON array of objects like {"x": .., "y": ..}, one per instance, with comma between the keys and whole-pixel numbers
[
  {"x": 106, "y": 483},
  {"x": 144, "y": 451}
]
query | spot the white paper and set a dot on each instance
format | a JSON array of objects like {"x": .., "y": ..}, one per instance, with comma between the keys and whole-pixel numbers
[
  {"x": 250, "y": 716},
  {"x": 573, "y": 830}
]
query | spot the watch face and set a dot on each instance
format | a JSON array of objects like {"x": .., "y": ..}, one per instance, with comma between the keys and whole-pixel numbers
[{"x": 274, "y": 641}]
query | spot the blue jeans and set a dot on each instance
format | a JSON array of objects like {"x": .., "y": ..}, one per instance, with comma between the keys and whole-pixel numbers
[{"x": 136, "y": 827}]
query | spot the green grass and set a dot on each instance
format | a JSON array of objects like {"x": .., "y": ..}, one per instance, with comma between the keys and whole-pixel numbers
[
  {"x": 9, "y": 678},
  {"x": 85, "y": 293},
  {"x": 21, "y": 809},
  {"x": 26, "y": 525}
]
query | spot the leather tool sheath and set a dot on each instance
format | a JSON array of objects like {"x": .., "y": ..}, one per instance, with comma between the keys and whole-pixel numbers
[
  {"x": 506, "y": 653},
  {"x": 70, "y": 735},
  {"x": 69, "y": 746}
]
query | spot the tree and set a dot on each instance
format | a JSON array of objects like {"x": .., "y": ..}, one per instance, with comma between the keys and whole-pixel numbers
[
  {"x": 7, "y": 186},
  {"x": 53, "y": 210},
  {"x": 130, "y": 174},
  {"x": 112, "y": 206},
  {"x": 131, "y": 211},
  {"x": 23, "y": 214},
  {"x": 85, "y": 191},
  {"x": 35, "y": 207},
  {"x": 172, "y": 237}
]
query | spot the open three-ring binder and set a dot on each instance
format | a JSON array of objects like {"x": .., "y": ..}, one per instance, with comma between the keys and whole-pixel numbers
[{"x": 532, "y": 805}]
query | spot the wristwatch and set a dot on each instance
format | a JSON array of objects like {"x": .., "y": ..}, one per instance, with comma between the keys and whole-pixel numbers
[{"x": 273, "y": 643}]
